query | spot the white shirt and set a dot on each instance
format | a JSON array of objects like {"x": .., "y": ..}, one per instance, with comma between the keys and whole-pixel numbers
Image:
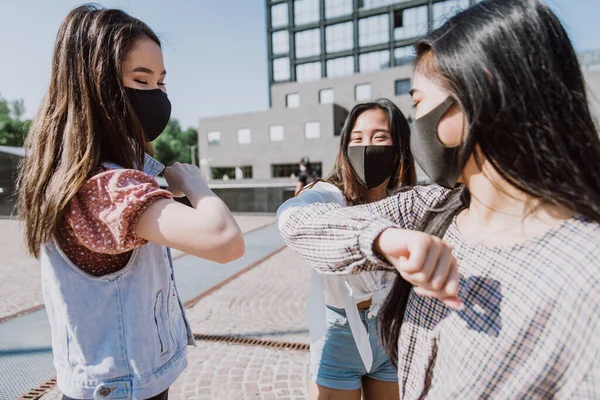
[{"x": 339, "y": 291}]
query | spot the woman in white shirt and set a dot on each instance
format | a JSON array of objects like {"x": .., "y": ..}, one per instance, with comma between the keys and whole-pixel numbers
[{"x": 347, "y": 359}]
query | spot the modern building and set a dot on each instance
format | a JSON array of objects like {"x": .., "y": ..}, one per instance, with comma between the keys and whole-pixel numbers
[{"x": 325, "y": 56}]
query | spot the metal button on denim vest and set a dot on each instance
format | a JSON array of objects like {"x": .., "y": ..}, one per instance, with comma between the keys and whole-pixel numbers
[{"x": 118, "y": 336}]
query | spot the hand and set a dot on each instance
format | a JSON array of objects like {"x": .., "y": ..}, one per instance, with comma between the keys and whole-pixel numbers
[
  {"x": 423, "y": 260},
  {"x": 185, "y": 179}
]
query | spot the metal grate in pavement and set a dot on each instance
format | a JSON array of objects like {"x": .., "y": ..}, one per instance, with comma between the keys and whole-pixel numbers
[
  {"x": 38, "y": 392},
  {"x": 252, "y": 342}
]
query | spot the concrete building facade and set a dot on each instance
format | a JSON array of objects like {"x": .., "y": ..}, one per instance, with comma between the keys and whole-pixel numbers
[{"x": 307, "y": 110}]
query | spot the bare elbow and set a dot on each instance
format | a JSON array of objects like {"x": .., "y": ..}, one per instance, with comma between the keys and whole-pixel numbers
[{"x": 233, "y": 246}]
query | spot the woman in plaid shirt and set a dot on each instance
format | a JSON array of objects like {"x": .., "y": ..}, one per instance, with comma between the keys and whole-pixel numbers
[{"x": 501, "y": 107}]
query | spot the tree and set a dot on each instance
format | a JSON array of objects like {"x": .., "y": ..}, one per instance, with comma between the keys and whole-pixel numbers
[
  {"x": 174, "y": 144},
  {"x": 12, "y": 131}
]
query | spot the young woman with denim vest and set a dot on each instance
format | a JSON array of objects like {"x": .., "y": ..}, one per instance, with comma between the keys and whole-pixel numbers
[
  {"x": 96, "y": 217},
  {"x": 347, "y": 358}
]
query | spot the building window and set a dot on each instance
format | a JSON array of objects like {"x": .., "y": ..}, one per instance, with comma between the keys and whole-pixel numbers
[
  {"x": 308, "y": 72},
  {"x": 410, "y": 23},
  {"x": 292, "y": 100},
  {"x": 276, "y": 133},
  {"x": 292, "y": 170},
  {"x": 326, "y": 96},
  {"x": 312, "y": 130},
  {"x": 227, "y": 173},
  {"x": 402, "y": 87},
  {"x": 214, "y": 138},
  {"x": 340, "y": 67},
  {"x": 445, "y": 10},
  {"x": 306, "y": 11},
  {"x": 244, "y": 136},
  {"x": 374, "y": 61},
  {"x": 281, "y": 69},
  {"x": 368, "y": 4},
  {"x": 373, "y": 30},
  {"x": 337, "y": 8},
  {"x": 281, "y": 42},
  {"x": 339, "y": 37},
  {"x": 308, "y": 43},
  {"x": 404, "y": 55},
  {"x": 362, "y": 92},
  {"x": 279, "y": 15}
]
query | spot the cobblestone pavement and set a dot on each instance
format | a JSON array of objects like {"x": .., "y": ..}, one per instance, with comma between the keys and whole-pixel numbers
[
  {"x": 266, "y": 302},
  {"x": 20, "y": 286},
  {"x": 219, "y": 371}
]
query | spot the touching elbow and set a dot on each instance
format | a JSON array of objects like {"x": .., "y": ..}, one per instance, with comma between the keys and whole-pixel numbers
[{"x": 233, "y": 246}]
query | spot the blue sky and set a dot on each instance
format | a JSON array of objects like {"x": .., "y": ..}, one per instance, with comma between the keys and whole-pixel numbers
[{"x": 215, "y": 50}]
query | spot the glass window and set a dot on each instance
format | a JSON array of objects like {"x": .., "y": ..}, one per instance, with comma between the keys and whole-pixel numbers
[
  {"x": 292, "y": 100},
  {"x": 227, "y": 173},
  {"x": 374, "y": 61},
  {"x": 306, "y": 11},
  {"x": 339, "y": 37},
  {"x": 312, "y": 130},
  {"x": 308, "y": 43},
  {"x": 276, "y": 133},
  {"x": 337, "y": 8},
  {"x": 374, "y": 30},
  {"x": 326, "y": 96},
  {"x": 214, "y": 138},
  {"x": 410, "y": 23},
  {"x": 281, "y": 42},
  {"x": 244, "y": 136},
  {"x": 342, "y": 66},
  {"x": 292, "y": 170},
  {"x": 279, "y": 15},
  {"x": 281, "y": 69},
  {"x": 368, "y": 4},
  {"x": 446, "y": 9},
  {"x": 402, "y": 86},
  {"x": 404, "y": 55},
  {"x": 362, "y": 92},
  {"x": 308, "y": 72}
]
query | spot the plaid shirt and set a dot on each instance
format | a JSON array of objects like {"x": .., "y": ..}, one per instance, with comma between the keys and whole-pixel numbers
[{"x": 530, "y": 327}]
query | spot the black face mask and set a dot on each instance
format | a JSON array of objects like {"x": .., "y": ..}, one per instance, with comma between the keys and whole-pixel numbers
[
  {"x": 372, "y": 165},
  {"x": 438, "y": 161},
  {"x": 153, "y": 110}
]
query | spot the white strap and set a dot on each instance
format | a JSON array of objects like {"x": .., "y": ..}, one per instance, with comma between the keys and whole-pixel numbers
[
  {"x": 315, "y": 307},
  {"x": 361, "y": 337}
]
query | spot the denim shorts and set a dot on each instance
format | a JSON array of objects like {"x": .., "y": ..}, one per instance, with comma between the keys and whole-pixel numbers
[{"x": 335, "y": 362}]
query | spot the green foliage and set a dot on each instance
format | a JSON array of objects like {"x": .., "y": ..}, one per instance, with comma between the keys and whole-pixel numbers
[
  {"x": 12, "y": 130},
  {"x": 174, "y": 144}
]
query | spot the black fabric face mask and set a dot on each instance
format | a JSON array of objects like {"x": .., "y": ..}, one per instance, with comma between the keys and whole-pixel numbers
[
  {"x": 372, "y": 165},
  {"x": 152, "y": 108},
  {"x": 438, "y": 161}
]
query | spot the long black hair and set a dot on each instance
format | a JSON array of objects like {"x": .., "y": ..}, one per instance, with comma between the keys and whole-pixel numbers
[
  {"x": 404, "y": 174},
  {"x": 511, "y": 67}
]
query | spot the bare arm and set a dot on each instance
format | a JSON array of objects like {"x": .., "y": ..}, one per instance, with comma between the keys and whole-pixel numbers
[{"x": 207, "y": 231}]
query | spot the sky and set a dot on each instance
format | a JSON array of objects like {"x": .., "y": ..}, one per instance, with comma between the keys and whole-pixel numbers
[{"x": 215, "y": 50}]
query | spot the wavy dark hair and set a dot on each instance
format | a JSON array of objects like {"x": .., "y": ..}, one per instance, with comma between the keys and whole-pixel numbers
[
  {"x": 404, "y": 174},
  {"x": 511, "y": 67},
  {"x": 85, "y": 118}
]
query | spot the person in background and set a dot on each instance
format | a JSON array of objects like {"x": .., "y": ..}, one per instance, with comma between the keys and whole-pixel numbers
[{"x": 306, "y": 175}]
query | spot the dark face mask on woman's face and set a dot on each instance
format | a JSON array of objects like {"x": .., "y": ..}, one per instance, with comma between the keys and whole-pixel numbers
[
  {"x": 438, "y": 161},
  {"x": 372, "y": 165},
  {"x": 152, "y": 108}
]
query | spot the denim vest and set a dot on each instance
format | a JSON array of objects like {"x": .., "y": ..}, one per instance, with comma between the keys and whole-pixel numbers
[{"x": 118, "y": 336}]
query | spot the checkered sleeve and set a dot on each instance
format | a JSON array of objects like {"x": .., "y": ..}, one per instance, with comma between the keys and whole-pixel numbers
[
  {"x": 589, "y": 388},
  {"x": 339, "y": 240}
]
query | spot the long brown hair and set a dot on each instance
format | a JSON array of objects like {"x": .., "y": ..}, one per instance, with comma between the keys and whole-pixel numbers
[
  {"x": 85, "y": 118},
  {"x": 404, "y": 174}
]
